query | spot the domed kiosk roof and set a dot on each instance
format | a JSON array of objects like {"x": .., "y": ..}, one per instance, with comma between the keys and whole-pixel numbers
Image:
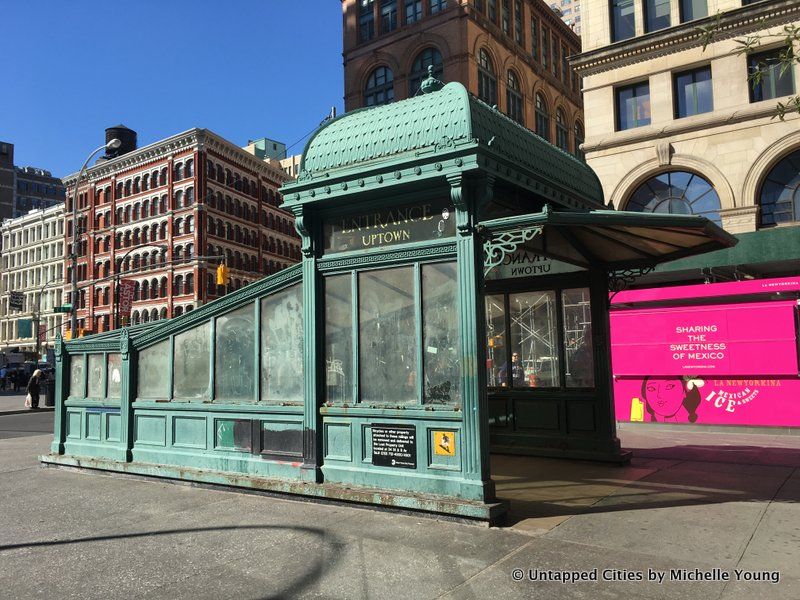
[{"x": 438, "y": 122}]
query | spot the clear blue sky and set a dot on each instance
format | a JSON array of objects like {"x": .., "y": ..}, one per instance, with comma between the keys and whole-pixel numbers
[{"x": 244, "y": 69}]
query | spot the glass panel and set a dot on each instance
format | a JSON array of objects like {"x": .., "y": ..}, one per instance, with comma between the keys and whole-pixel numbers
[
  {"x": 495, "y": 339},
  {"x": 338, "y": 339},
  {"x": 622, "y": 17},
  {"x": 282, "y": 346},
  {"x": 154, "y": 371},
  {"x": 656, "y": 14},
  {"x": 388, "y": 344},
  {"x": 114, "y": 377},
  {"x": 440, "y": 333},
  {"x": 578, "y": 349},
  {"x": 191, "y": 364},
  {"x": 76, "y": 376},
  {"x": 234, "y": 356},
  {"x": 534, "y": 350},
  {"x": 693, "y": 9},
  {"x": 95, "y": 383}
]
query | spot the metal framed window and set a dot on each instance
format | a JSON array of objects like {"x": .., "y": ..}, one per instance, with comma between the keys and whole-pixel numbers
[
  {"x": 693, "y": 92},
  {"x": 413, "y": 11},
  {"x": 388, "y": 15},
  {"x": 366, "y": 20},
  {"x": 487, "y": 80},
  {"x": 656, "y": 15},
  {"x": 438, "y": 6},
  {"x": 780, "y": 193},
  {"x": 380, "y": 87},
  {"x": 767, "y": 77},
  {"x": 518, "y": 36},
  {"x": 579, "y": 137},
  {"x": 542, "y": 118},
  {"x": 693, "y": 9},
  {"x": 506, "y": 17},
  {"x": 514, "y": 99},
  {"x": 623, "y": 22},
  {"x": 633, "y": 106},
  {"x": 562, "y": 132},
  {"x": 535, "y": 38},
  {"x": 677, "y": 192}
]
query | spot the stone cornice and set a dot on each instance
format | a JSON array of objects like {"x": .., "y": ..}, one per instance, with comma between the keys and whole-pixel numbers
[
  {"x": 202, "y": 139},
  {"x": 732, "y": 23}
]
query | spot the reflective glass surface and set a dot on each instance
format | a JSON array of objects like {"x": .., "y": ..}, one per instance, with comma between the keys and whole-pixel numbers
[
  {"x": 154, "y": 371},
  {"x": 282, "y": 346},
  {"x": 534, "y": 349},
  {"x": 440, "y": 333},
  {"x": 338, "y": 339},
  {"x": 234, "y": 359},
  {"x": 578, "y": 338},
  {"x": 76, "y": 379},
  {"x": 191, "y": 364},
  {"x": 95, "y": 380},
  {"x": 114, "y": 377}
]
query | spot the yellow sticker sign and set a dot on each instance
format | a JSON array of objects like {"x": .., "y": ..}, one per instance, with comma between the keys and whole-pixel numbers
[
  {"x": 637, "y": 410},
  {"x": 444, "y": 443}
]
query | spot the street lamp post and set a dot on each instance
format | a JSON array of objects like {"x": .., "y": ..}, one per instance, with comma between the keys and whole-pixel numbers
[
  {"x": 38, "y": 315},
  {"x": 117, "y": 275},
  {"x": 73, "y": 323}
]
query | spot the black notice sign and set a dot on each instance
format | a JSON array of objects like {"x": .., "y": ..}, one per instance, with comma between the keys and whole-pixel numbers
[{"x": 394, "y": 446}]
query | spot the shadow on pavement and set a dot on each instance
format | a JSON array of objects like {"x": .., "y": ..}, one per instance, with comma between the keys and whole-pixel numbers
[
  {"x": 544, "y": 492},
  {"x": 289, "y": 589}
]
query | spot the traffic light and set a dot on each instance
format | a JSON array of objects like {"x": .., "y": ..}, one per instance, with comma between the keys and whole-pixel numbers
[{"x": 222, "y": 275}]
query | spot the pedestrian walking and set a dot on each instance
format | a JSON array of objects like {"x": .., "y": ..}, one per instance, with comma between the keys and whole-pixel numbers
[
  {"x": 3, "y": 376},
  {"x": 33, "y": 388}
]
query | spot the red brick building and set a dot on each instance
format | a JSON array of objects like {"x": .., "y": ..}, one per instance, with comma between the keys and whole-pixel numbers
[
  {"x": 162, "y": 215},
  {"x": 510, "y": 53}
]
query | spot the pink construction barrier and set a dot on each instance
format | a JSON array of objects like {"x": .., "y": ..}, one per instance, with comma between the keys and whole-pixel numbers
[{"x": 732, "y": 363}]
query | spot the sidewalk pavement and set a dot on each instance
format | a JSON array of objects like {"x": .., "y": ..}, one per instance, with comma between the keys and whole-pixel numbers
[
  {"x": 13, "y": 403},
  {"x": 93, "y": 535}
]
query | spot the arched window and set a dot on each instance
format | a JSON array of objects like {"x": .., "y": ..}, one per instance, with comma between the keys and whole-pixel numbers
[
  {"x": 178, "y": 200},
  {"x": 487, "y": 80},
  {"x": 380, "y": 87},
  {"x": 154, "y": 179},
  {"x": 154, "y": 314},
  {"x": 145, "y": 209},
  {"x": 429, "y": 57},
  {"x": 542, "y": 118},
  {"x": 178, "y": 172},
  {"x": 677, "y": 192},
  {"x": 780, "y": 192},
  {"x": 128, "y": 187},
  {"x": 190, "y": 167},
  {"x": 162, "y": 178},
  {"x": 189, "y": 196},
  {"x": 136, "y": 188},
  {"x": 514, "y": 98},
  {"x": 177, "y": 285},
  {"x": 145, "y": 182},
  {"x": 579, "y": 137},
  {"x": 562, "y": 132},
  {"x": 189, "y": 227}
]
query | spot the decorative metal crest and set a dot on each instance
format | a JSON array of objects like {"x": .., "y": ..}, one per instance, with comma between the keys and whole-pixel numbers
[
  {"x": 498, "y": 247},
  {"x": 621, "y": 280}
]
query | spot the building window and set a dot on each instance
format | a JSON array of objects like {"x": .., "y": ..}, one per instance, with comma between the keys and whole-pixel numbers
[
  {"x": 380, "y": 87},
  {"x": 518, "y": 23},
  {"x": 545, "y": 45},
  {"x": 562, "y": 132},
  {"x": 430, "y": 57},
  {"x": 693, "y": 9},
  {"x": 492, "y": 11},
  {"x": 693, "y": 94},
  {"x": 487, "y": 81},
  {"x": 633, "y": 106},
  {"x": 388, "y": 15},
  {"x": 554, "y": 63},
  {"x": 656, "y": 15},
  {"x": 506, "y": 24},
  {"x": 564, "y": 66},
  {"x": 366, "y": 20},
  {"x": 478, "y": 5},
  {"x": 438, "y": 6},
  {"x": 765, "y": 77},
  {"x": 780, "y": 192},
  {"x": 677, "y": 193},
  {"x": 514, "y": 98},
  {"x": 542, "y": 118},
  {"x": 579, "y": 137},
  {"x": 623, "y": 23},
  {"x": 413, "y": 11},
  {"x": 535, "y": 38}
]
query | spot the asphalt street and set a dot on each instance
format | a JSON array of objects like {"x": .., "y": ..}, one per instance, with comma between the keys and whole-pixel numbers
[{"x": 71, "y": 534}]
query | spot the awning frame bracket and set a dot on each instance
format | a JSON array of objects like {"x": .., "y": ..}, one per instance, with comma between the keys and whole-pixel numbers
[
  {"x": 622, "y": 279},
  {"x": 500, "y": 245}
]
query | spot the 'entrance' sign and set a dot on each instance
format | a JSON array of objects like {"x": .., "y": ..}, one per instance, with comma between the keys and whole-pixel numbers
[
  {"x": 390, "y": 226},
  {"x": 394, "y": 446}
]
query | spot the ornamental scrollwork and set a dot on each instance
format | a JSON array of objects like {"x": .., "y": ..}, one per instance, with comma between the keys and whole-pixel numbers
[
  {"x": 624, "y": 278},
  {"x": 497, "y": 247}
]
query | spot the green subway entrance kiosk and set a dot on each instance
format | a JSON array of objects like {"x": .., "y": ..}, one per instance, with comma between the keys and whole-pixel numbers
[{"x": 452, "y": 300}]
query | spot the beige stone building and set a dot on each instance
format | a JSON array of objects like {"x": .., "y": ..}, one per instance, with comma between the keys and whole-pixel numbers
[{"x": 674, "y": 127}]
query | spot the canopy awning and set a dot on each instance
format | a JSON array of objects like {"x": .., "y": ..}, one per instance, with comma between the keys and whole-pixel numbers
[{"x": 610, "y": 239}]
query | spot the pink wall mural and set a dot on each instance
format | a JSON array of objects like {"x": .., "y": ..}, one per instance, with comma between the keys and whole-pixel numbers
[{"x": 733, "y": 364}]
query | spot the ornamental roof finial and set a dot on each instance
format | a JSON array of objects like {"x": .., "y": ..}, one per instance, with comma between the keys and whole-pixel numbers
[{"x": 431, "y": 84}]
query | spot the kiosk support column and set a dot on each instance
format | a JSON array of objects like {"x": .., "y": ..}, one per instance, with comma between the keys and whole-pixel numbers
[
  {"x": 469, "y": 250},
  {"x": 312, "y": 459}
]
